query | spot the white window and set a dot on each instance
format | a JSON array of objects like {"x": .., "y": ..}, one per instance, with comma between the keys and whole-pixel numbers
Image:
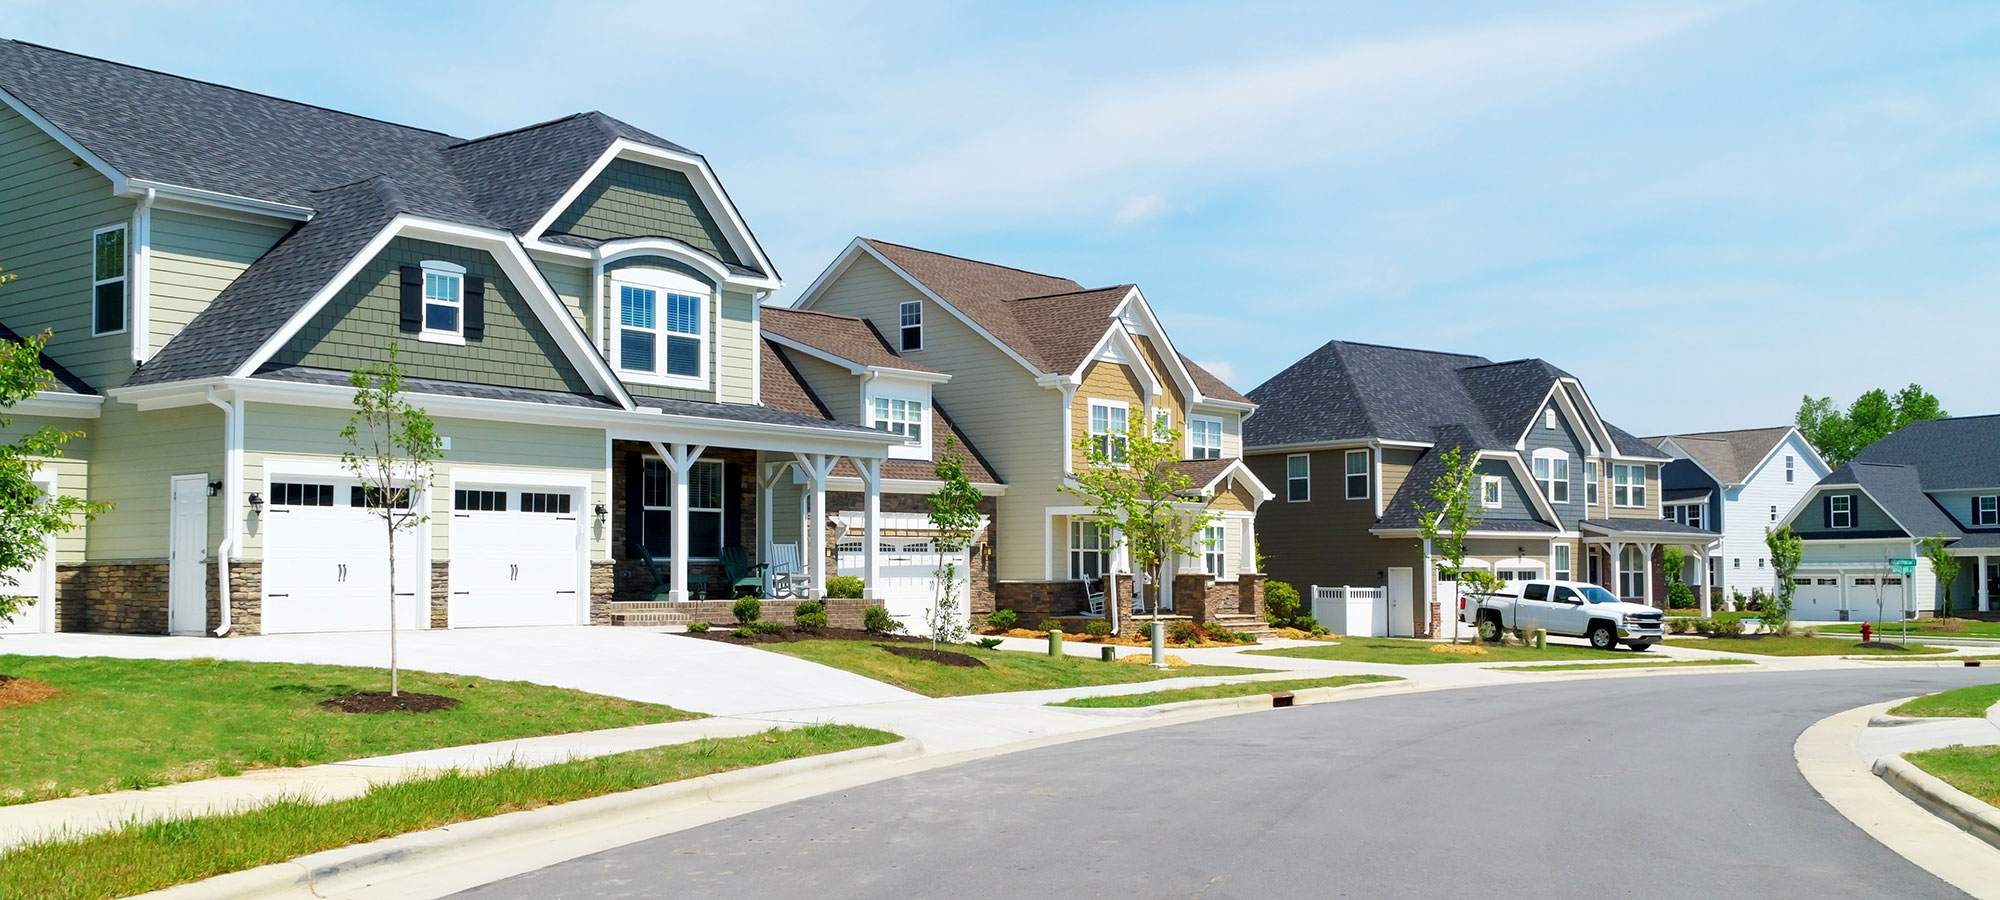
[
  {"x": 1760, "y": 562},
  {"x": 662, "y": 337},
  {"x": 1693, "y": 517},
  {"x": 1298, "y": 478},
  {"x": 1204, "y": 437},
  {"x": 1489, "y": 491},
  {"x": 1628, "y": 485},
  {"x": 1163, "y": 425},
  {"x": 1549, "y": 417},
  {"x": 1840, "y": 511},
  {"x": 1552, "y": 471},
  {"x": 1986, "y": 510},
  {"x": 1736, "y": 563},
  {"x": 1788, "y": 470},
  {"x": 1213, "y": 559},
  {"x": 1109, "y": 429},
  {"x": 107, "y": 280},
  {"x": 1774, "y": 514},
  {"x": 656, "y": 521},
  {"x": 1563, "y": 571},
  {"x": 1089, "y": 550},
  {"x": 1590, "y": 482},
  {"x": 1357, "y": 474},
  {"x": 911, "y": 316},
  {"x": 1632, "y": 572},
  {"x": 904, "y": 417},
  {"x": 444, "y": 302}
]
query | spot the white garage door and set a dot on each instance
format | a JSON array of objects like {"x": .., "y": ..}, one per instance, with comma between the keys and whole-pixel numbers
[
  {"x": 1875, "y": 598},
  {"x": 515, "y": 556},
  {"x": 326, "y": 561},
  {"x": 908, "y": 583},
  {"x": 1816, "y": 599}
]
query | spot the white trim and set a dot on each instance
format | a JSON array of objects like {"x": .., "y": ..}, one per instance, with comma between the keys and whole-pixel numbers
[
  {"x": 456, "y": 273},
  {"x": 1239, "y": 472},
  {"x": 1491, "y": 496},
  {"x": 1166, "y": 349},
  {"x": 663, "y": 284},
  {"x": 139, "y": 286},
  {"x": 1546, "y": 487},
  {"x": 1308, "y": 446},
  {"x": 903, "y": 327},
  {"x": 119, "y": 183},
  {"x": 1831, "y": 512},
  {"x": 1117, "y": 347},
  {"x": 1347, "y": 476},
  {"x": 123, "y": 279},
  {"x": 855, "y": 368},
  {"x": 1121, "y": 434},
  {"x": 61, "y": 405},
  {"x": 1614, "y": 504},
  {"x": 1190, "y": 420},
  {"x": 1533, "y": 489},
  {"x": 1289, "y": 478}
]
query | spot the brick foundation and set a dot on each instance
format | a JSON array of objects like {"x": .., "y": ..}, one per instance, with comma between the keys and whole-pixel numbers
[{"x": 1038, "y": 600}]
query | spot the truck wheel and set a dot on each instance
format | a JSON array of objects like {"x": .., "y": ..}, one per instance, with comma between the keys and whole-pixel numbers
[
  {"x": 1489, "y": 629},
  {"x": 1639, "y": 646},
  {"x": 1603, "y": 636}
]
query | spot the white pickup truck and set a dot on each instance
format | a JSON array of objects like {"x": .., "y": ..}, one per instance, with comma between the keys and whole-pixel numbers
[{"x": 1571, "y": 608}]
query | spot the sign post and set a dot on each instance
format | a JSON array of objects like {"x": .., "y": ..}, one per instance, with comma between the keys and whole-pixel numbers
[{"x": 1905, "y": 566}]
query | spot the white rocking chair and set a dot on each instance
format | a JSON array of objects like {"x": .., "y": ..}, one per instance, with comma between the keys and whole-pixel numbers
[
  {"x": 787, "y": 575},
  {"x": 1095, "y": 596}
]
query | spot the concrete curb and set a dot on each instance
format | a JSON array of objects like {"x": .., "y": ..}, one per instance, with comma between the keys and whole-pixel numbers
[
  {"x": 316, "y": 874},
  {"x": 1884, "y": 720},
  {"x": 1304, "y": 697},
  {"x": 1635, "y": 670},
  {"x": 1944, "y": 801}
]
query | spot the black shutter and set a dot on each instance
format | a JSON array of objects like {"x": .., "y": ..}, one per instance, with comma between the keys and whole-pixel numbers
[
  {"x": 635, "y": 504},
  {"x": 413, "y": 298},
  {"x": 475, "y": 307},
  {"x": 1826, "y": 511},
  {"x": 732, "y": 505}
]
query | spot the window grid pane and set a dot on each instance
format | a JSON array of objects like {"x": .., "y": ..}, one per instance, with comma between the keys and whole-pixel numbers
[{"x": 684, "y": 314}]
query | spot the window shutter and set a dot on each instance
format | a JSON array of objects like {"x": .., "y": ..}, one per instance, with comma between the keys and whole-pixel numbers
[
  {"x": 475, "y": 307},
  {"x": 1826, "y": 511},
  {"x": 1975, "y": 511},
  {"x": 413, "y": 298},
  {"x": 635, "y": 504},
  {"x": 732, "y": 506}
]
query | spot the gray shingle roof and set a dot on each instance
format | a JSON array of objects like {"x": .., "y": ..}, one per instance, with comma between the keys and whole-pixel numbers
[
  {"x": 1949, "y": 454},
  {"x": 442, "y": 388},
  {"x": 1401, "y": 510},
  {"x": 66, "y": 382},
  {"x": 1899, "y": 490},
  {"x": 1728, "y": 455}
]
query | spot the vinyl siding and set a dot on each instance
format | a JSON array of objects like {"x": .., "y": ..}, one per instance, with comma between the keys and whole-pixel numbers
[
  {"x": 737, "y": 381},
  {"x": 1324, "y": 540},
  {"x": 1563, "y": 437},
  {"x": 1514, "y": 502},
  {"x": 194, "y": 258},
  {"x": 632, "y": 199},
  {"x": 1016, "y": 425},
  {"x": 735, "y": 348},
  {"x": 1869, "y": 519},
  {"x": 1396, "y": 465},
  {"x": 72, "y": 472},
  {"x": 1232, "y": 429},
  {"x": 1175, "y": 399},
  {"x": 572, "y": 286},
  {"x": 1104, "y": 381},
  {"x": 1747, "y": 513},
  {"x": 50, "y": 202},
  {"x": 356, "y": 327},
  {"x": 133, "y": 455},
  {"x": 1233, "y": 497},
  {"x": 1958, "y": 504},
  {"x": 274, "y": 431},
  {"x": 836, "y": 387}
]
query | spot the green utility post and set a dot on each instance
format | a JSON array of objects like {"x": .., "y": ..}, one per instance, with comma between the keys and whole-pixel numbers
[{"x": 1055, "y": 642}]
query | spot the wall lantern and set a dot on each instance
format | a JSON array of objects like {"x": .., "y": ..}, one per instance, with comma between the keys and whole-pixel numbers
[{"x": 256, "y": 500}]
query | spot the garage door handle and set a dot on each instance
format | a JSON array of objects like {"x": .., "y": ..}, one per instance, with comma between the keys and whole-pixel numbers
[
  {"x": 565, "y": 592},
  {"x": 406, "y": 593}
]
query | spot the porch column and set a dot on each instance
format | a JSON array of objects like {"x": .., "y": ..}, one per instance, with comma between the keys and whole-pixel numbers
[
  {"x": 1248, "y": 555},
  {"x": 679, "y": 458},
  {"x": 1646, "y": 566},
  {"x": 816, "y": 466},
  {"x": 1984, "y": 588},
  {"x": 871, "y": 523},
  {"x": 1617, "y": 562},
  {"x": 1701, "y": 555}
]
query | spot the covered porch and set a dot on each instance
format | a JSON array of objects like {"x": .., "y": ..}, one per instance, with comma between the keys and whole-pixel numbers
[{"x": 1621, "y": 555}]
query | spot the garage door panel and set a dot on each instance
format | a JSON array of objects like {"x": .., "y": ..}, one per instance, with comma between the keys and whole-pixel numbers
[
  {"x": 516, "y": 556},
  {"x": 326, "y": 565}
]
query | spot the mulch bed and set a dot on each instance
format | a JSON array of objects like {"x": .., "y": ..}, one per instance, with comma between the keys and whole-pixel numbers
[
  {"x": 722, "y": 633},
  {"x": 382, "y": 702},
  {"x": 1882, "y": 645},
  {"x": 941, "y": 657},
  {"x": 21, "y": 691}
]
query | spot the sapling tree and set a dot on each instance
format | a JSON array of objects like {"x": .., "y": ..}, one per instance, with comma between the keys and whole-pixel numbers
[
  {"x": 1787, "y": 551},
  {"x": 393, "y": 446},
  {"x": 1446, "y": 518},
  {"x": 954, "y": 518},
  {"x": 1944, "y": 565},
  {"x": 29, "y": 516}
]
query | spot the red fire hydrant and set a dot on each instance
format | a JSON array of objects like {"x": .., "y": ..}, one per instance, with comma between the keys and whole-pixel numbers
[{"x": 1865, "y": 632}]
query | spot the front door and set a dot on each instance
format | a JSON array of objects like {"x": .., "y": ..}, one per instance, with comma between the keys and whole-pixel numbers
[
  {"x": 1596, "y": 573},
  {"x": 187, "y": 560},
  {"x": 1402, "y": 605}
]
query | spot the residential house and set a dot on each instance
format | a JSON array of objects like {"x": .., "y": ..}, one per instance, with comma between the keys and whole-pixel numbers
[
  {"x": 1353, "y": 436},
  {"x": 577, "y": 303},
  {"x": 1037, "y": 362},
  {"x": 1927, "y": 479},
  {"x": 1736, "y": 483}
]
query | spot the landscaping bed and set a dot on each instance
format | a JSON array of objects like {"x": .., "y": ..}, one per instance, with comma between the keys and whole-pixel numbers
[
  {"x": 1409, "y": 651},
  {"x": 1974, "y": 770},
  {"x": 1218, "y": 691},
  {"x": 1000, "y": 671},
  {"x": 118, "y": 724},
  {"x": 789, "y": 633},
  {"x": 1965, "y": 703},
  {"x": 148, "y": 857},
  {"x": 1796, "y": 645}
]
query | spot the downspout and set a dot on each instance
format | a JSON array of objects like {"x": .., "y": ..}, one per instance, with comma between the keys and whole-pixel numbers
[
  {"x": 142, "y": 277},
  {"x": 232, "y": 484}
]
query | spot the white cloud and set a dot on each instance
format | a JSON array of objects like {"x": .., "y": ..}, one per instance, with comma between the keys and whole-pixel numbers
[{"x": 1141, "y": 208}]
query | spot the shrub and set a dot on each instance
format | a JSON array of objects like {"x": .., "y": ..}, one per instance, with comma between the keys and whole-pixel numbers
[
  {"x": 988, "y": 643},
  {"x": 1098, "y": 629},
  {"x": 1307, "y": 623},
  {"x": 1703, "y": 626},
  {"x": 844, "y": 587},
  {"x": 1182, "y": 631},
  {"x": 1049, "y": 625},
  {"x": 1679, "y": 626},
  {"x": 748, "y": 609},
  {"x": 876, "y": 620},
  {"x": 1281, "y": 604},
  {"x": 742, "y": 632},
  {"x": 1244, "y": 637},
  {"x": 766, "y": 627},
  {"x": 810, "y": 615},
  {"x": 1002, "y": 619},
  {"x": 698, "y": 627},
  {"x": 1946, "y": 625},
  {"x": 1757, "y": 600},
  {"x": 1680, "y": 596},
  {"x": 1214, "y": 631},
  {"x": 1725, "y": 627}
]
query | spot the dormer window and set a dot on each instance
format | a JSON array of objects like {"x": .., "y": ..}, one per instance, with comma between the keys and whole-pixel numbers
[
  {"x": 662, "y": 334},
  {"x": 904, "y": 417},
  {"x": 444, "y": 302},
  {"x": 1204, "y": 437},
  {"x": 1549, "y": 418},
  {"x": 1552, "y": 471},
  {"x": 107, "y": 280},
  {"x": 910, "y": 315},
  {"x": 1986, "y": 510}
]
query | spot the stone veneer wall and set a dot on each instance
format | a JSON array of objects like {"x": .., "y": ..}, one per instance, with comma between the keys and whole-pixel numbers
[
  {"x": 246, "y": 598},
  {"x": 603, "y": 588},
  {"x": 440, "y": 593},
  {"x": 112, "y": 597},
  {"x": 1038, "y": 600}
]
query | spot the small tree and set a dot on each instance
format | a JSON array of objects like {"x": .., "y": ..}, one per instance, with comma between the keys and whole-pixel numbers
[
  {"x": 1787, "y": 550},
  {"x": 29, "y": 517},
  {"x": 955, "y": 517},
  {"x": 1943, "y": 565},
  {"x": 1447, "y": 518},
  {"x": 1673, "y": 564},
  {"x": 1131, "y": 479},
  {"x": 393, "y": 447}
]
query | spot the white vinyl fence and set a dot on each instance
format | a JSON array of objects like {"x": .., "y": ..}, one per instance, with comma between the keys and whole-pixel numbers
[{"x": 1352, "y": 611}]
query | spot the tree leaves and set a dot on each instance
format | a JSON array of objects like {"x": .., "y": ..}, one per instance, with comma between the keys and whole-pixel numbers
[
  {"x": 29, "y": 517},
  {"x": 1841, "y": 436}
]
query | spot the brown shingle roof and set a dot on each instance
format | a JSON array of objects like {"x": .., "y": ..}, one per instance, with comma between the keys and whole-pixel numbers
[
  {"x": 1212, "y": 387},
  {"x": 1728, "y": 455},
  {"x": 783, "y": 389},
  {"x": 976, "y": 469},
  {"x": 847, "y": 337},
  {"x": 1065, "y": 327}
]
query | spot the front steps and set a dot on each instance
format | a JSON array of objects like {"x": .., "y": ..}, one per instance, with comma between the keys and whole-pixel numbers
[
  {"x": 664, "y": 614},
  {"x": 1255, "y": 626}
]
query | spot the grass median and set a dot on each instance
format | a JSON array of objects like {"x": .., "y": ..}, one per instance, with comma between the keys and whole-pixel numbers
[
  {"x": 1774, "y": 645},
  {"x": 1965, "y": 703},
  {"x": 1974, "y": 628},
  {"x": 1974, "y": 770},
  {"x": 1405, "y": 651},
  {"x": 121, "y": 724},
  {"x": 1003, "y": 670},
  {"x": 148, "y": 857},
  {"x": 1218, "y": 691},
  {"x": 1661, "y": 663}
]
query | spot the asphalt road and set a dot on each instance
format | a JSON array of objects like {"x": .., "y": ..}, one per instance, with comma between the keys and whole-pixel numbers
[{"x": 1678, "y": 787}]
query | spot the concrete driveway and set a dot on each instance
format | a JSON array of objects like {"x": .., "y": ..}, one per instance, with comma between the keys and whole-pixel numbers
[{"x": 683, "y": 672}]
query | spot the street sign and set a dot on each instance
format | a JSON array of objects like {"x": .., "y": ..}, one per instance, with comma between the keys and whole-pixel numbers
[{"x": 1903, "y": 565}]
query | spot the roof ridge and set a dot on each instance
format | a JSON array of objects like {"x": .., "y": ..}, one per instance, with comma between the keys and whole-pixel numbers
[
  {"x": 514, "y": 131},
  {"x": 1489, "y": 364},
  {"x": 227, "y": 87},
  {"x": 1095, "y": 290},
  {"x": 1406, "y": 349},
  {"x": 971, "y": 260}
]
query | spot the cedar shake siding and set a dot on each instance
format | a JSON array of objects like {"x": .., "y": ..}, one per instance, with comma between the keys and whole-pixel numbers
[{"x": 632, "y": 199}]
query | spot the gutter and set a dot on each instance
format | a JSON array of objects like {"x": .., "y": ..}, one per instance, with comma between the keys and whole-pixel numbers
[
  {"x": 142, "y": 277},
  {"x": 232, "y": 485}
]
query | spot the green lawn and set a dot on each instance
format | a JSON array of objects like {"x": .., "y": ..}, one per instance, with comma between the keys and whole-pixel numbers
[
  {"x": 132, "y": 723},
  {"x": 1967, "y": 703},
  {"x": 1582, "y": 667},
  {"x": 1927, "y": 627},
  {"x": 1801, "y": 646},
  {"x": 1005, "y": 670},
  {"x": 148, "y": 857},
  {"x": 1218, "y": 691},
  {"x": 1692, "y": 614},
  {"x": 1974, "y": 770},
  {"x": 1413, "y": 652}
]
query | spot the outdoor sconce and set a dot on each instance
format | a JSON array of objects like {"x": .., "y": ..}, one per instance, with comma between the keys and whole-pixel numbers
[
  {"x": 214, "y": 488},
  {"x": 256, "y": 500},
  {"x": 600, "y": 511},
  {"x": 1520, "y": 550}
]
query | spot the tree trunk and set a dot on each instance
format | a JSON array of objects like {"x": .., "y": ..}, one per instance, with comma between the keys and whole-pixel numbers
[{"x": 395, "y": 686}]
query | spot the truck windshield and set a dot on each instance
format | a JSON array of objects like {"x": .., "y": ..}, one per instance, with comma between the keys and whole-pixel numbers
[{"x": 1598, "y": 595}]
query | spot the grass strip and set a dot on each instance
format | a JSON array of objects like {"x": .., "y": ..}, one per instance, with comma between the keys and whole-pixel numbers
[
  {"x": 1927, "y": 627},
  {"x": 1771, "y": 645},
  {"x": 151, "y": 856},
  {"x": 1665, "y": 663},
  {"x": 1004, "y": 670},
  {"x": 1218, "y": 691},
  {"x": 1974, "y": 770},
  {"x": 1963, "y": 703},
  {"x": 126, "y": 724},
  {"x": 1404, "y": 651}
]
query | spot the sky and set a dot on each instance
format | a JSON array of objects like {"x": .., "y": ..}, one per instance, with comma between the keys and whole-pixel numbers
[{"x": 1705, "y": 211}]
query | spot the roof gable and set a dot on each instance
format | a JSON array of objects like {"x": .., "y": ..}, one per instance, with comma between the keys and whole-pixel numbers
[
  {"x": 847, "y": 339},
  {"x": 1730, "y": 456},
  {"x": 1948, "y": 454}
]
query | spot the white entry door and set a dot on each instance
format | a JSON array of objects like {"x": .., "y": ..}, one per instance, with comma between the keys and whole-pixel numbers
[
  {"x": 1402, "y": 602},
  {"x": 34, "y": 585},
  {"x": 326, "y": 560},
  {"x": 187, "y": 560},
  {"x": 516, "y": 556}
]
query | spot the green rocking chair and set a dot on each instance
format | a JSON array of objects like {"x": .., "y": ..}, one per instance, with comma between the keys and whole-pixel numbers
[
  {"x": 745, "y": 580},
  {"x": 660, "y": 582}
]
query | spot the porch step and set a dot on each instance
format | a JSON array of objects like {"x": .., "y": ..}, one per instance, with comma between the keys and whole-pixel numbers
[
  {"x": 659, "y": 614},
  {"x": 1245, "y": 624}
]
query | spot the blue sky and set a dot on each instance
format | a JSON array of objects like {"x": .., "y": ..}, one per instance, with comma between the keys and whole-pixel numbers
[{"x": 1703, "y": 210}]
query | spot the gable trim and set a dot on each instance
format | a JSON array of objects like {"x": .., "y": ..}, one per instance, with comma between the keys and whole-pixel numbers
[
  {"x": 1117, "y": 336},
  {"x": 120, "y": 184},
  {"x": 1819, "y": 463},
  {"x": 1819, "y": 489},
  {"x": 859, "y": 246},
  {"x": 1240, "y": 473},
  {"x": 702, "y": 178},
  {"x": 1525, "y": 479},
  {"x": 1168, "y": 352},
  {"x": 1597, "y": 437}
]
